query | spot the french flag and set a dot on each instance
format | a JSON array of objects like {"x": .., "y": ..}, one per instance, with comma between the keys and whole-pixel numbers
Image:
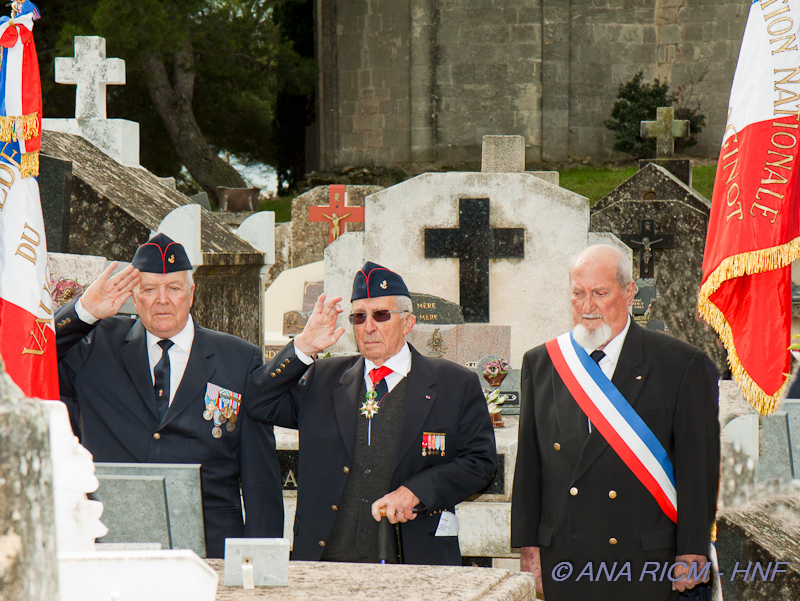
[
  {"x": 754, "y": 228},
  {"x": 27, "y": 333}
]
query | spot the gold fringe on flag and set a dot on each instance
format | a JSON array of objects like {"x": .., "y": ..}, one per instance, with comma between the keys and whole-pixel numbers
[
  {"x": 24, "y": 127},
  {"x": 749, "y": 263},
  {"x": 29, "y": 165}
]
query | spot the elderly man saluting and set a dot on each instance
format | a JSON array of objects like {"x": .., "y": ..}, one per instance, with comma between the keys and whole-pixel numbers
[
  {"x": 161, "y": 389},
  {"x": 618, "y": 457},
  {"x": 388, "y": 428}
]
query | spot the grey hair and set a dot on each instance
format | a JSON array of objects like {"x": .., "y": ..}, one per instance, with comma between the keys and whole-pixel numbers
[
  {"x": 623, "y": 271},
  {"x": 403, "y": 303},
  {"x": 189, "y": 281}
]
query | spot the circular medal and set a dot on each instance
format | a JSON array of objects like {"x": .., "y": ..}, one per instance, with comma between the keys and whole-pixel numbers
[
  {"x": 208, "y": 415},
  {"x": 230, "y": 426},
  {"x": 216, "y": 432},
  {"x": 227, "y": 411},
  {"x": 424, "y": 451},
  {"x": 222, "y": 419},
  {"x": 233, "y": 419}
]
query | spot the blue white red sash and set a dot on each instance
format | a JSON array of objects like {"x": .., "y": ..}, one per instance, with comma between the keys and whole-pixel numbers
[{"x": 616, "y": 420}]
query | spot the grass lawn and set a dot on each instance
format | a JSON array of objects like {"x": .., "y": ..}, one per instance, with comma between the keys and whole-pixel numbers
[
  {"x": 592, "y": 182},
  {"x": 596, "y": 182}
]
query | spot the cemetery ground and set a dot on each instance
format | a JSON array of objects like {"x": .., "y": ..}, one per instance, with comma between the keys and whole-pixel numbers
[{"x": 591, "y": 181}]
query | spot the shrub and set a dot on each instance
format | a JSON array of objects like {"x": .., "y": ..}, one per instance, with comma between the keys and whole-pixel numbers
[{"x": 637, "y": 102}]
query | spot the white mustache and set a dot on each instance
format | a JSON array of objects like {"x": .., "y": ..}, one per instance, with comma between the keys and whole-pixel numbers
[{"x": 592, "y": 316}]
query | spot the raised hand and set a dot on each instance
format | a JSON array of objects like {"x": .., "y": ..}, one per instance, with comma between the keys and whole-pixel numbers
[
  {"x": 320, "y": 331},
  {"x": 109, "y": 292}
]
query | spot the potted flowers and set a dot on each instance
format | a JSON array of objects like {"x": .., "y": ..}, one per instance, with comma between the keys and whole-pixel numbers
[
  {"x": 493, "y": 402},
  {"x": 495, "y": 371}
]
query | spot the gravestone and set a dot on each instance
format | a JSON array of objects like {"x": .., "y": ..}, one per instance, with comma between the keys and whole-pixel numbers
[
  {"x": 665, "y": 129},
  {"x": 28, "y": 568},
  {"x": 90, "y": 71},
  {"x": 432, "y": 309},
  {"x": 653, "y": 197},
  {"x": 508, "y": 386},
  {"x": 309, "y": 238},
  {"x": 462, "y": 344},
  {"x": 55, "y": 191},
  {"x": 294, "y": 321},
  {"x": 546, "y": 225},
  {"x": 115, "y": 208},
  {"x": 779, "y": 444},
  {"x": 292, "y": 289}
]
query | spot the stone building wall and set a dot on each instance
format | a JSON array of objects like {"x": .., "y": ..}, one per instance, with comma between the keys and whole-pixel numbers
[{"x": 421, "y": 81}]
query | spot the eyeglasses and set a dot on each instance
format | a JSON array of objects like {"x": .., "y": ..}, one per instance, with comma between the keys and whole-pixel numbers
[{"x": 379, "y": 316}]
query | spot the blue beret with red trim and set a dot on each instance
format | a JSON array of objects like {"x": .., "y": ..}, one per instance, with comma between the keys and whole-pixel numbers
[
  {"x": 373, "y": 280},
  {"x": 161, "y": 254}
]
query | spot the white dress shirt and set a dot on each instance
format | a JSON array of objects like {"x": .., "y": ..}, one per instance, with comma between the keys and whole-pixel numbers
[
  {"x": 400, "y": 364},
  {"x": 612, "y": 349}
]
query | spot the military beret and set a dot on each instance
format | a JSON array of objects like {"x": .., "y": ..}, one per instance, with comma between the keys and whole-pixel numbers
[
  {"x": 160, "y": 254},
  {"x": 373, "y": 281}
]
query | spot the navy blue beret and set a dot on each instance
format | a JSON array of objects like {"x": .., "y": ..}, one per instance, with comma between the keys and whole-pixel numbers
[
  {"x": 161, "y": 254},
  {"x": 373, "y": 281}
]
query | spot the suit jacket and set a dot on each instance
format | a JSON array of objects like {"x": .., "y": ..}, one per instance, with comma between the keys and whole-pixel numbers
[
  {"x": 104, "y": 375},
  {"x": 322, "y": 401},
  {"x": 577, "y": 501}
]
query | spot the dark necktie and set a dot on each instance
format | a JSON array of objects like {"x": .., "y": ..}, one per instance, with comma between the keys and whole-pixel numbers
[
  {"x": 597, "y": 356},
  {"x": 378, "y": 377},
  {"x": 161, "y": 376}
]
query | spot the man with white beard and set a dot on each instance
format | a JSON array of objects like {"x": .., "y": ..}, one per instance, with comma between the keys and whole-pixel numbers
[{"x": 618, "y": 458}]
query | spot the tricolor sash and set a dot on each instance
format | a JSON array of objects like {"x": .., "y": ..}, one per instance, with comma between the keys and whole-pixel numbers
[{"x": 616, "y": 421}]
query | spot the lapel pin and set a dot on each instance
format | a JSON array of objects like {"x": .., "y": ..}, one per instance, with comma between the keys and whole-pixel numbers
[
  {"x": 638, "y": 377},
  {"x": 427, "y": 396}
]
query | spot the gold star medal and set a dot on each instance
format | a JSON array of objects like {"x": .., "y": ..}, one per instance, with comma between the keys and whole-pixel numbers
[{"x": 369, "y": 408}]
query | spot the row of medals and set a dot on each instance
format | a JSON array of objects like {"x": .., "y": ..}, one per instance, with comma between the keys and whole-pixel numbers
[{"x": 220, "y": 416}]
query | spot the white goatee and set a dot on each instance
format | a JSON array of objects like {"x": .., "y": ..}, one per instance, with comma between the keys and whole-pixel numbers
[{"x": 592, "y": 340}]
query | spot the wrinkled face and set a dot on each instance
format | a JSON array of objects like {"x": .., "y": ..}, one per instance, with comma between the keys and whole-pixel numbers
[
  {"x": 379, "y": 341},
  {"x": 597, "y": 296},
  {"x": 163, "y": 302}
]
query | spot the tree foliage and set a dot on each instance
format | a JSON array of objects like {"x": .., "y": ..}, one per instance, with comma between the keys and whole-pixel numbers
[
  {"x": 225, "y": 62},
  {"x": 637, "y": 102}
]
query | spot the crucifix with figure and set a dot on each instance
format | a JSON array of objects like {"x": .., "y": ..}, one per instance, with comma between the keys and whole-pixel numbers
[
  {"x": 474, "y": 242},
  {"x": 646, "y": 241},
  {"x": 338, "y": 212}
]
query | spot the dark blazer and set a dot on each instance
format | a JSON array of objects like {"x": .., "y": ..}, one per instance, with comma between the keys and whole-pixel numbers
[
  {"x": 104, "y": 374},
  {"x": 573, "y": 494},
  {"x": 322, "y": 402}
]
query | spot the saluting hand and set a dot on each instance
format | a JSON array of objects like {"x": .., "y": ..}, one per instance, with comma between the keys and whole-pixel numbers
[
  {"x": 108, "y": 293},
  {"x": 320, "y": 331}
]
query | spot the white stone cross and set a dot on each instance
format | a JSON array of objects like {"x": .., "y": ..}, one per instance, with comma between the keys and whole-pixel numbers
[{"x": 91, "y": 71}]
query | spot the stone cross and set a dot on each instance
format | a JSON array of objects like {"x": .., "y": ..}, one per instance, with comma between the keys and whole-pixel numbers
[
  {"x": 91, "y": 72},
  {"x": 645, "y": 242},
  {"x": 338, "y": 212},
  {"x": 474, "y": 242},
  {"x": 664, "y": 129}
]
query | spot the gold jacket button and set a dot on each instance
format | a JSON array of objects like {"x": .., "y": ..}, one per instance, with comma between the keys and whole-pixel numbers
[
  {"x": 557, "y": 447},
  {"x": 612, "y": 494},
  {"x": 612, "y": 541},
  {"x": 283, "y": 365},
  {"x": 321, "y": 543},
  {"x": 335, "y": 507},
  {"x": 157, "y": 436},
  {"x": 272, "y": 375},
  {"x": 573, "y": 491},
  {"x": 346, "y": 470}
]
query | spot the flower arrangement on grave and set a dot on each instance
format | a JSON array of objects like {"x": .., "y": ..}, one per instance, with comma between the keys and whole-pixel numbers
[
  {"x": 493, "y": 402},
  {"x": 495, "y": 371}
]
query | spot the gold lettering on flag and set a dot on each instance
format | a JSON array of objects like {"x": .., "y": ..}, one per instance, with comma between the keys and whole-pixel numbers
[
  {"x": 6, "y": 185},
  {"x": 25, "y": 250},
  {"x": 39, "y": 336}
]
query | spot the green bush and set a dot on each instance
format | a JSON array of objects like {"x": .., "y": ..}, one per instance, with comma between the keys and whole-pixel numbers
[{"x": 637, "y": 102}]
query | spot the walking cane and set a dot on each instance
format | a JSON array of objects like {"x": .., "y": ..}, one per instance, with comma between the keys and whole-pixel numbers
[{"x": 389, "y": 540}]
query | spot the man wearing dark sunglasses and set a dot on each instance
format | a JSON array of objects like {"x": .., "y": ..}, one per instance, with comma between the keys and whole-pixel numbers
[{"x": 388, "y": 429}]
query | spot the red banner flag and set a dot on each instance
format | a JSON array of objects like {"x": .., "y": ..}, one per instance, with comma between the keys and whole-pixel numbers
[
  {"x": 27, "y": 333},
  {"x": 754, "y": 228}
]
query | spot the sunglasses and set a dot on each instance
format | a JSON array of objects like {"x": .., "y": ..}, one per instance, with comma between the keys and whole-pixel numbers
[{"x": 379, "y": 316}]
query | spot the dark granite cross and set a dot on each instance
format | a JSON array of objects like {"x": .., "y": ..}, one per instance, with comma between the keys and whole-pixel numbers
[
  {"x": 664, "y": 129},
  {"x": 474, "y": 243},
  {"x": 645, "y": 242}
]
